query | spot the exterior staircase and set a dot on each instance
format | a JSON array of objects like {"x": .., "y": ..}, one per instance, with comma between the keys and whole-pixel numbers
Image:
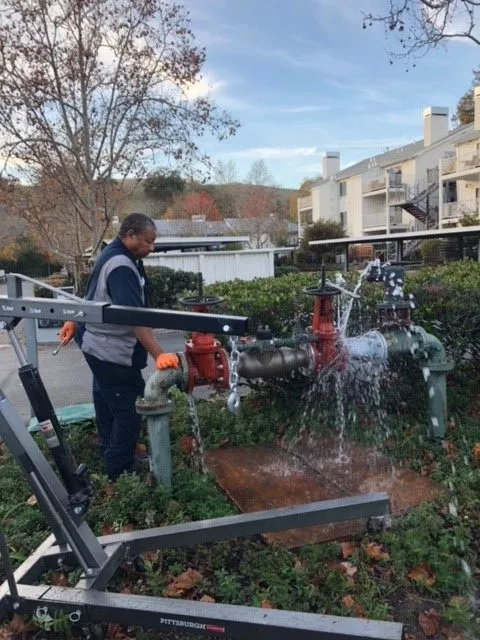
[{"x": 420, "y": 200}]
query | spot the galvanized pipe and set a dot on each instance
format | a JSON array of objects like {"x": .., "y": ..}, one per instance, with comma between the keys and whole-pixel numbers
[{"x": 273, "y": 363}]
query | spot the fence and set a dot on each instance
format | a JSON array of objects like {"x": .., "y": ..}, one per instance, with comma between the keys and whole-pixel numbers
[{"x": 220, "y": 266}]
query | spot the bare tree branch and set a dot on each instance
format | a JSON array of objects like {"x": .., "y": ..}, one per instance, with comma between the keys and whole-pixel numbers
[
  {"x": 91, "y": 89},
  {"x": 421, "y": 25}
]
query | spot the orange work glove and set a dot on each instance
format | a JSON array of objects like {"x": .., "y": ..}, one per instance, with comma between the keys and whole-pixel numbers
[
  {"x": 67, "y": 332},
  {"x": 167, "y": 361}
]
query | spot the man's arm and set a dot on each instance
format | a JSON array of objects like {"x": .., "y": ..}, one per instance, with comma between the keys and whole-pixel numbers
[
  {"x": 145, "y": 336},
  {"x": 124, "y": 289}
]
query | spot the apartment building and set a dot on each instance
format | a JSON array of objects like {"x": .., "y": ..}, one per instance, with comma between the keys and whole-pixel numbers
[
  {"x": 410, "y": 188},
  {"x": 460, "y": 174}
]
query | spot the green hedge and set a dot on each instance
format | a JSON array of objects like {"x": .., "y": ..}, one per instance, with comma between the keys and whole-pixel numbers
[
  {"x": 166, "y": 285},
  {"x": 276, "y": 302},
  {"x": 447, "y": 302}
]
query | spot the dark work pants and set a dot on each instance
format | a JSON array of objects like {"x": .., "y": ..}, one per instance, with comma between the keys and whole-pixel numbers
[{"x": 115, "y": 390}]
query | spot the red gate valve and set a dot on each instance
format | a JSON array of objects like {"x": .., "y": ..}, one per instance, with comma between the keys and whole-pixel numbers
[{"x": 206, "y": 358}]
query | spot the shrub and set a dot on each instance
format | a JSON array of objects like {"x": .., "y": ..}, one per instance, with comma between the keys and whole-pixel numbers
[
  {"x": 167, "y": 284},
  {"x": 55, "y": 280},
  {"x": 283, "y": 270},
  {"x": 430, "y": 250},
  {"x": 447, "y": 300}
]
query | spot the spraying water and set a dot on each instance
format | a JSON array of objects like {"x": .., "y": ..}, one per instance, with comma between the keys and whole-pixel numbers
[{"x": 348, "y": 310}]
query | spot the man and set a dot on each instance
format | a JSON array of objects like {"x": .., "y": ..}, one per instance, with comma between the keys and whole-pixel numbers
[{"x": 116, "y": 354}]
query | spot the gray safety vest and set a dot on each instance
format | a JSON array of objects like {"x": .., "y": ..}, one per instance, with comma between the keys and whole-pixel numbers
[{"x": 111, "y": 342}]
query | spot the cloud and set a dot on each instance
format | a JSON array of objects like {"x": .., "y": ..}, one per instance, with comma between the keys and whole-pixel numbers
[
  {"x": 411, "y": 117},
  {"x": 318, "y": 60},
  {"x": 304, "y": 109},
  {"x": 272, "y": 153},
  {"x": 203, "y": 87}
]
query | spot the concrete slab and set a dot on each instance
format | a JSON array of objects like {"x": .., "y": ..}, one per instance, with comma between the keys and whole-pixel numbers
[{"x": 264, "y": 477}]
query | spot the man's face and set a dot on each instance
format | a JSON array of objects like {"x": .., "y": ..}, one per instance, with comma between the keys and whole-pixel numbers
[{"x": 141, "y": 244}]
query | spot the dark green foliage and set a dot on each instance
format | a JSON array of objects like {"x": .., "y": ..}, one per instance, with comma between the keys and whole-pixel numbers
[
  {"x": 447, "y": 304},
  {"x": 166, "y": 285},
  {"x": 29, "y": 261},
  {"x": 322, "y": 230}
]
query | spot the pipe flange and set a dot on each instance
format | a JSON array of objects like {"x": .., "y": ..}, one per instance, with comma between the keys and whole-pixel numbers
[{"x": 321, "y": 291}]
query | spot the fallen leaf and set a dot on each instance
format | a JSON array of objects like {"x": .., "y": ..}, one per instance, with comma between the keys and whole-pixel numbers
[
  {"x": 423, "y": 575},
  {"x": 107, "y": 530},
  {"x": 429, "y": 622},
  {"x": 32, "y": 501},
  {"x": 350, "y": 569},
  {"x": 208, "y": 599},
  {"x": 336, "y": 566},
  {"x": 298, "y": 566},
  {"x": 5, "y": 633},
  {"x": 349, "y": 603},
  {"x": 115, "y": 632},
  {"x": 457, "y": 601},
  {"x": 266, "y": 604},
  {"x": 451, "y": 633},
  {"x": 19, "y": 626},
  {"x": 224, "y": 442},
  {"x": 375, "y": 552},
  {"x": 94, "y": 437},
  {"x": 450, "y": 449},
  {"x": 476, "y": 452},
  {"x": 59, "y": 580},
  {"x": 410, "y": 636},
  {"x": 348, "y": 549},
  {"x": 127, "y": 528},
  {"x": 187, "y": 445},
  {"x": 182, "y": 583},
  {"x": 140, "y": 449}
]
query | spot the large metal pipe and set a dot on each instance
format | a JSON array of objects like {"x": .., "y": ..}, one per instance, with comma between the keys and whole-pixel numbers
[
  {"x": 273, "y": 363},
  {"x": 370, "y": 346},
  {"x": 430, "y": 354}
]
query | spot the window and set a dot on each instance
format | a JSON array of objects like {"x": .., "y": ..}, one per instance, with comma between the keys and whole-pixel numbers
[
  {"x": 343, "y": 218},
  {"x": 306, "y": 217},
  {"x": 343, "y": 189}
]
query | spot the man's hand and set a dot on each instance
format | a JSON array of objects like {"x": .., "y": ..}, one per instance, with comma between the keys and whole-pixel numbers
[
  {"x": 67, "y": 332},
  {"x": 167, "y": 361}
]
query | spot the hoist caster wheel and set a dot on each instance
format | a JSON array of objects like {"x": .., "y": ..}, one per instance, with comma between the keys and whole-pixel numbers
[{"x": 93, "y": 632}]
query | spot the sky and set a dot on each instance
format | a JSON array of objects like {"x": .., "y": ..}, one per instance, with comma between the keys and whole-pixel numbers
[{"x": 303, "y": 77}]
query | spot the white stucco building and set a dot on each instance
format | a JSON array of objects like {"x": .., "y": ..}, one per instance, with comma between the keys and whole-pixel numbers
[{"x": 427, "y": 184}]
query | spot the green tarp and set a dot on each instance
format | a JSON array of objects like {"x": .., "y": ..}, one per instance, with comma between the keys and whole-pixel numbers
[{"x": 68, "y": 415}]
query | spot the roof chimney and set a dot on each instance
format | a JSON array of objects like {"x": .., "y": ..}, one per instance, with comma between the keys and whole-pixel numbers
[
  {"x": 476, "y": 103},
  {"x": 435, "y": 124},
  {"x": 330, "y": 164}
]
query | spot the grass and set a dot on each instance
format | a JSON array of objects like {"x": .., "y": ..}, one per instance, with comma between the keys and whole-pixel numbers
[{"x": 418, "y": 565}]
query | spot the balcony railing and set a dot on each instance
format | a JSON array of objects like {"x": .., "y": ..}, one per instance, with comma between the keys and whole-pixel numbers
[
  {"x": 304, "y": 203},
  {"x": 374, "y": 220},
  {"x": 462, "y": 162},
  {"x": 374, "y": 185},
  {"x": 460, "y": 209},
  {"x": 380, "y": 219}
]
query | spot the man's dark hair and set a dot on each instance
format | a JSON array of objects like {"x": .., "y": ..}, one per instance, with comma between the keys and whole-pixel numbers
[{"x": 136, "y": 222}]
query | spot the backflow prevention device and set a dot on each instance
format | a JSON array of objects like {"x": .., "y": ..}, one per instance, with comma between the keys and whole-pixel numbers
[
  {"x": 64, "y": 503},
  {"x": 321, "y": 346}
]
